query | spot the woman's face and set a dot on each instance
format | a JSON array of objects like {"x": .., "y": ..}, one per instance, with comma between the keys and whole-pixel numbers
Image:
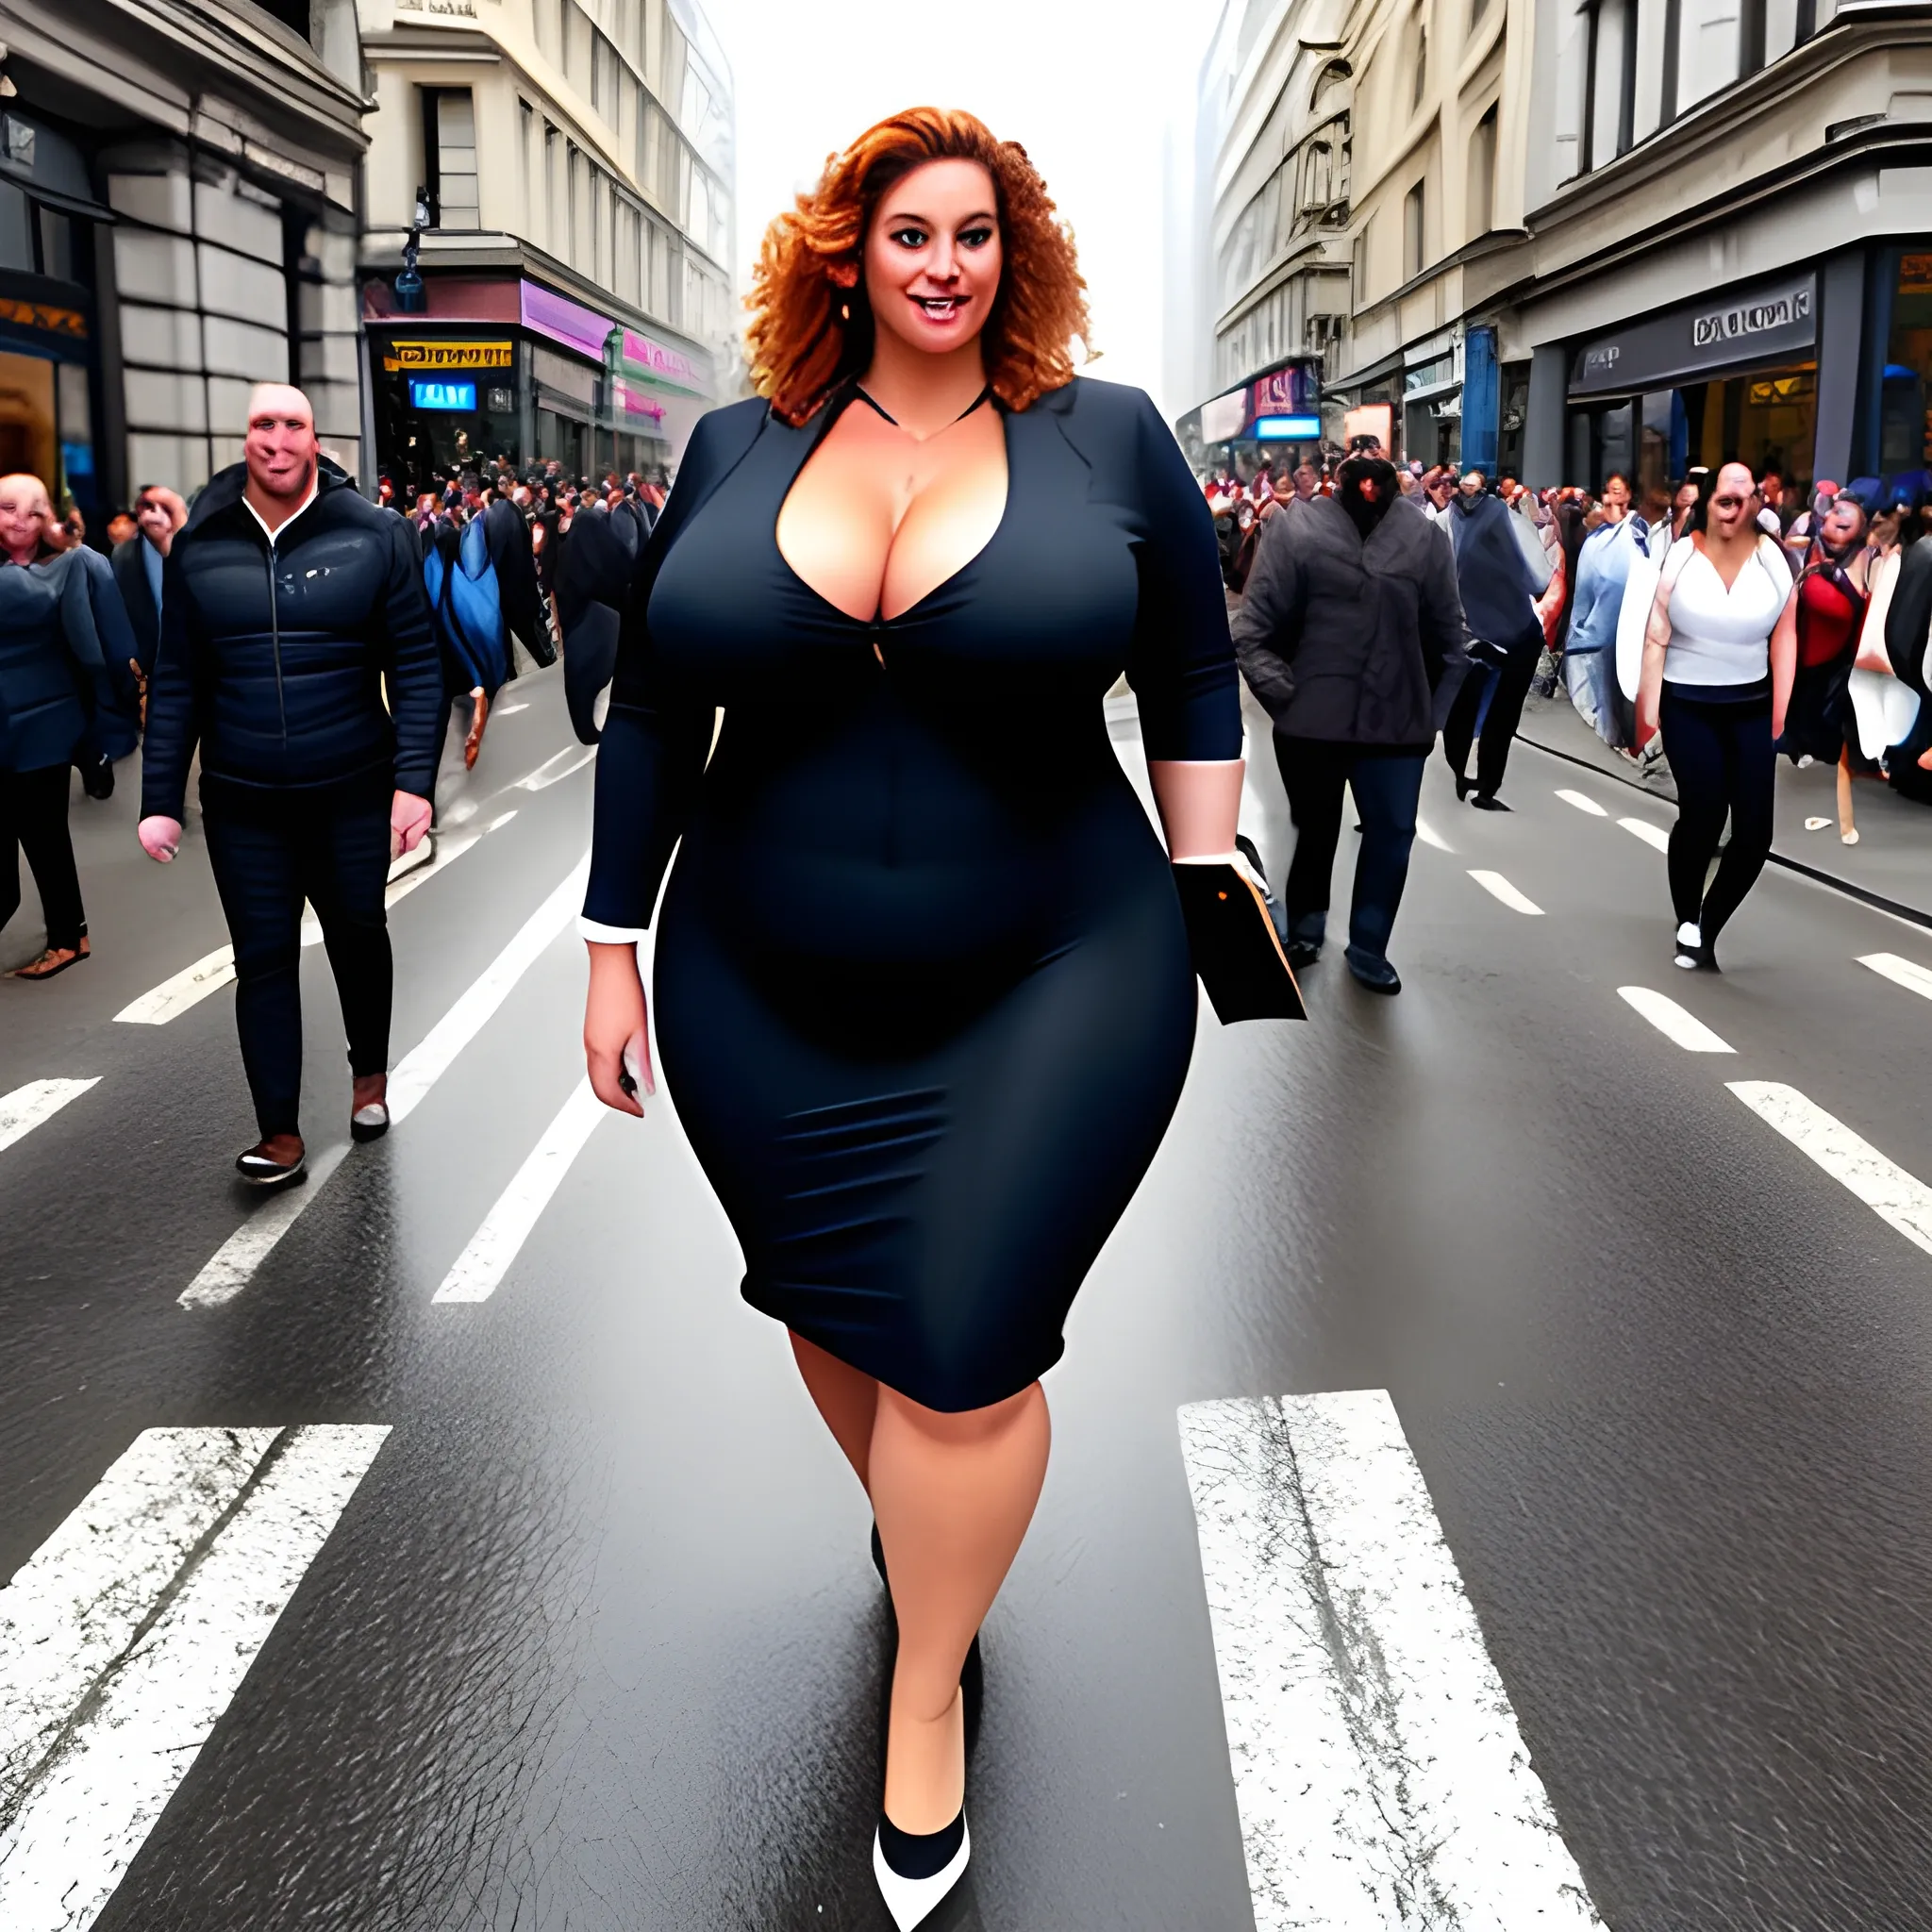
[
  {"x": 1685, "y": 497},
  {"x": 932, "y": 260},
  {"x": 1845, "y": 522},
  {"x": 24, "y": 513},
  {"x": 1616, "y": 496},
  {"x": 1733, "y": 502}
]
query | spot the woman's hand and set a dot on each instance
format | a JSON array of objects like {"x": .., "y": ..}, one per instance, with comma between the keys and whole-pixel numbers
[
  {"x": 614, "y": 1022},
  {"x": 479, "y": 717}
]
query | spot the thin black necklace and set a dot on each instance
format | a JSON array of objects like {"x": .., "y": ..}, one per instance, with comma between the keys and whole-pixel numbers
[{"x": 866, "y": 396}]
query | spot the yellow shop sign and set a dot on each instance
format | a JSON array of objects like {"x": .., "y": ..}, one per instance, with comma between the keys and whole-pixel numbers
[{"x": 446, "y": 355}]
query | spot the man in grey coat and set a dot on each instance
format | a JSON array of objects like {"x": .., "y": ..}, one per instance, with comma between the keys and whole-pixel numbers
[{"x": 1351, "y": 634}]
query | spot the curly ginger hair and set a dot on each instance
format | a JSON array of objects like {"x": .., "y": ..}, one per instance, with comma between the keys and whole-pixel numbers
[{"x": 800, "y": 346}]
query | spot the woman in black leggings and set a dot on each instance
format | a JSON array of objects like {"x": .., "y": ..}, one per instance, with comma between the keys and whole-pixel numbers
[{"x": 1719, "y": 658}]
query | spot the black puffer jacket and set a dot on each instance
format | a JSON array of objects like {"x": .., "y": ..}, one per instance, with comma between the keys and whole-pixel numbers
[
  {"x": 276, "y": 659},
  {"x": 1352, "y": 642}
]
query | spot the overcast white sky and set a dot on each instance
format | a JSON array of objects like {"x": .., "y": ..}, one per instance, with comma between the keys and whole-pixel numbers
[{"x": 1086, "y": 88}]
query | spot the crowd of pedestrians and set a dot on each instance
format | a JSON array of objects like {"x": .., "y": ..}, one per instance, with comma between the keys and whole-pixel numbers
[
  {"x": 327, "y": 660},
  {"x": 1721, "y": 622}
]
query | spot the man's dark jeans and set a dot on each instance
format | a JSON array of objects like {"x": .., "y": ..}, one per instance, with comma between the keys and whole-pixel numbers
[
  {"x": 269, "y": 853},
  {"x": 1387, "y": 784},
  {"x": 1499, "y": 722}
]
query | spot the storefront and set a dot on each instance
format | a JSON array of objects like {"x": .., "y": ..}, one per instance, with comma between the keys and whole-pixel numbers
[
  {"x": 505, "y": 369},
  {"x": 50, "y": 376},
  {"x": 1730, "y": 376},
  {"x": 1275, "y": 416}
]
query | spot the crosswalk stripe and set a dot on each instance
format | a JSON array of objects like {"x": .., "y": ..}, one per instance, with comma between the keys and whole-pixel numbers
[
  {"x": 1582, "y": 801},
  {"x": 1498, "y": 887},
  {"x": 421, "y": 1068},
  {"x": 1673, "y": 1021},
  {"x": 1379, "y": 1772},
  {"x": 1886, "y": 1188},
  {"x": 494, "y": 1246},
  {"x": 25, "y": 1108},
  {"x": 1650, "y": 834},
  {"x": 552, "y": 769},
  {"x": 75, "y": 1606},
  {"x": 1905, "y": 972},
  {"x": 92, "y": 1804},
  {"x": 192, "y": 983},
  {"x": 234, "y": 1264}
]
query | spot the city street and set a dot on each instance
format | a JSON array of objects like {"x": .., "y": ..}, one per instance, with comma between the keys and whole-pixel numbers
[{"x": 492, "y": 1568}]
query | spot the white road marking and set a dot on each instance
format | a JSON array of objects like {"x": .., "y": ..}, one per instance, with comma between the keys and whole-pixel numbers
[
  {"x": 1673, "y": 1021},
  {"x": 421, "y": 1068},
  {"x": 1888, "y": 1190},
  {"x": 77, "y": 1603},
  {"x": 509, "y": 710},
  {"x": 1429, "y": 835},
  {"x": 193, "y": 984},
  {"x": 1650, "y": 834},
  {"x": 232, "y": 1266},
  {"x": 449, "y": 848},
  {"x": 25, "y": 1108},
  {"x": 1905, "y": 972},
  {"x": 547, "y": 773},
  {"x": 1582, "y": 801},
  {"x": 187, "y": 987},
  {"x": 235, "y": 1263},
  {"x": 494, "y": 1246},
  {"x": 94, "y": 1799},
  {"x": 1498, "y": 887},
  {"x": 1379, "y": 1772}
]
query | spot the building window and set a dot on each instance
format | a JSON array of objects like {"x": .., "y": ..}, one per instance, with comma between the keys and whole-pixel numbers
[
  {"x": 555, "y": 193},
  {"x": 1358, "y": 268},
  {"x": 449, "y": 150},
  {"x": 582, "y": 247},
  {"x": 1482, "y": 176},
  {"x": 1413, "y": 242},
  {"x": 604, "y": 79},
  {"x": 1479, "y": 11},
  {"x": 548, "y": 24},
  {"x": 529, "y": 161},
  {"x": 1422, "y": 64},
  {"x": 1610, "y": 102}
]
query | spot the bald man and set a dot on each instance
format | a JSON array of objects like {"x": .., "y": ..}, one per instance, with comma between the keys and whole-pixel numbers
[{"x": 288, "y": 604}]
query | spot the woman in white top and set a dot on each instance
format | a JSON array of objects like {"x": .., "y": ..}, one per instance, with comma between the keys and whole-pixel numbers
[{"x": 1718, "y": 661}]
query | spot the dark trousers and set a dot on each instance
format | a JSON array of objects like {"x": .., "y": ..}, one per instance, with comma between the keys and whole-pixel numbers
[
  {"x": 33, "y": 819},
  {"x": 1386, "y": 788},
  {"x": 1499, "y": 725},
  {"x": 267, "y": 856},
  {"x": 1722, "y": 759}
]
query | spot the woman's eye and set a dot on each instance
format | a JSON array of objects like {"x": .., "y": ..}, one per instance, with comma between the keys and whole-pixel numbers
[
  {"x": 975, "y": 238},
  {"x": 909, "y": 237}
]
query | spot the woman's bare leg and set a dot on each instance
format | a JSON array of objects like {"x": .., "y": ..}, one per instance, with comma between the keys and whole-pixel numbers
[
  {"x": 1847, "y": 827},
  {"x": 953, "y": 1494},
  {"x": 846, "y": 1398}
]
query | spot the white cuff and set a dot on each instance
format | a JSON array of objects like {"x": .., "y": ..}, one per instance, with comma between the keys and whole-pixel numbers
[{"x": 608, "y": 935}]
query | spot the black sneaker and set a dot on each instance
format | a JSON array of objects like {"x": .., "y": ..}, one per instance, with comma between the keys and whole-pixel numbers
[{"x": 1488, "y": 801}]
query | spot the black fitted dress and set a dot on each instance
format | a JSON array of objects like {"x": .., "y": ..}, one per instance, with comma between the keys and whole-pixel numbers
[{"x": 923, "y": 992}]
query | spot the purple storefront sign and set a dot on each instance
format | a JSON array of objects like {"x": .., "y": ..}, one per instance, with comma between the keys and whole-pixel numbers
[
  {"x": 566, "y": 321},
  {"x": 635, "y": 403},
  {"x": 653, "y": 358}
]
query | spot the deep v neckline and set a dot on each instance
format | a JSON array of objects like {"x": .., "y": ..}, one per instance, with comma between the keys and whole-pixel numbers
[{"x": 878, "y": 619}]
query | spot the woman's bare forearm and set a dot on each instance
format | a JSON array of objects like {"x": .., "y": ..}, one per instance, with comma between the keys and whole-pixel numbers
[{"x": 1199, "y": 801}]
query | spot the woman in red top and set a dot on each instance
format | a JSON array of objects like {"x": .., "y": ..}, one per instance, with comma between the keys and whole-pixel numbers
[{"x": 1833, "y": 598}]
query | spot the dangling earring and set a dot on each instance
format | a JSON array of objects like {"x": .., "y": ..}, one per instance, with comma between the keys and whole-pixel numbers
[{"x": 844, "y": 311}]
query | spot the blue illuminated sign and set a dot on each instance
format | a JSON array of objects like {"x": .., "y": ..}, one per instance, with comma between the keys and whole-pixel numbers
[
  {"x": 425, "y": 393},
  {"x": 1287, "y": 428}
]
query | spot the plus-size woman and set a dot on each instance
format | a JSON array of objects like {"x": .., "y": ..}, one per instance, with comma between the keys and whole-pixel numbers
[{"x": 923, "y": 987}]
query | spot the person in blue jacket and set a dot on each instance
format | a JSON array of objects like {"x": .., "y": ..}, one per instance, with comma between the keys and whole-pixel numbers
[
  {"x": 49, "y": 652},
  {"x": 288, "y": 604}
]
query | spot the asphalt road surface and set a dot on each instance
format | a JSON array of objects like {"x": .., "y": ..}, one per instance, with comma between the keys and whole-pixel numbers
[{"x": 1489, "y": 1484}]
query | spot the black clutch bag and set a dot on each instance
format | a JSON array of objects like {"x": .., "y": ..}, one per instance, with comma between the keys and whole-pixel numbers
[{"x": 1236, "y": 955}]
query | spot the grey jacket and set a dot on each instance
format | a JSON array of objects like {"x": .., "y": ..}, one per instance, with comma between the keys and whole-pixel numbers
[{"x": 1350, "y": 642}]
